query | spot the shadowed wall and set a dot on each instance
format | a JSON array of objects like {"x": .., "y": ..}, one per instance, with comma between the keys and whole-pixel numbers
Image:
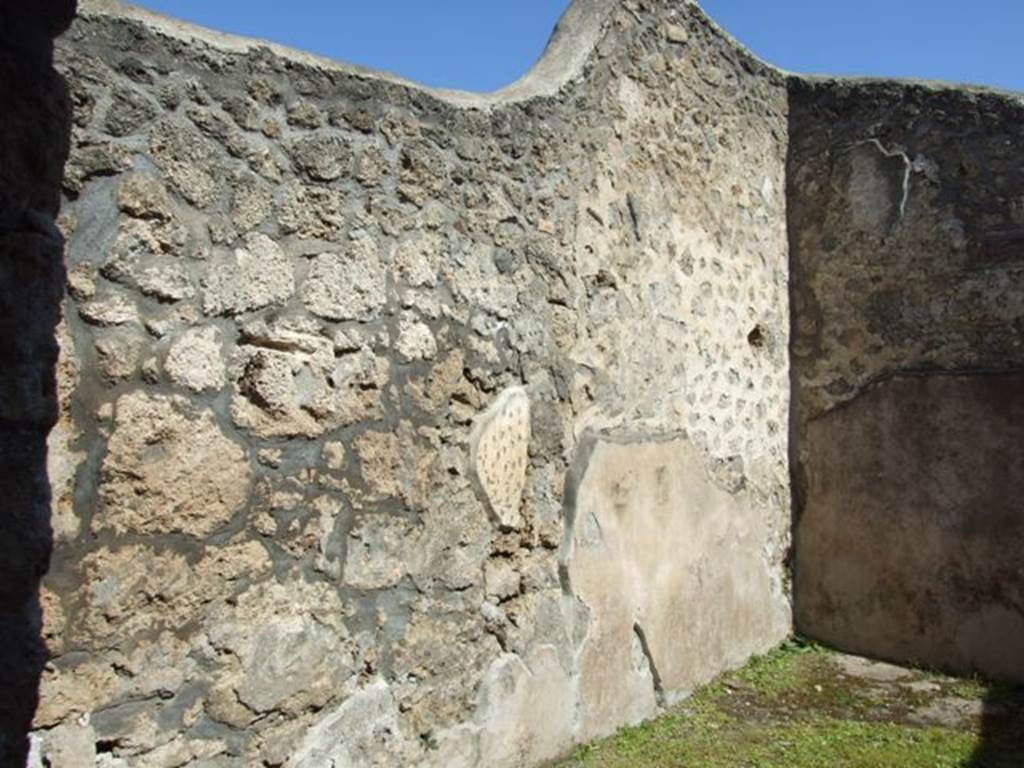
[
  {"x": 33, "y": 146},
  {"x": 906, "y": 221}
]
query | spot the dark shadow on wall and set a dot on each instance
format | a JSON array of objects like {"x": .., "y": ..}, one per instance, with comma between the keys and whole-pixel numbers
[
  {"x": 797, "y": 310},
  {"x": 907, "y": 526},
  {"x": 35, "y": 121},
  {"x": 906, "y": 372},
  {"x": 1001, "y": 742}
]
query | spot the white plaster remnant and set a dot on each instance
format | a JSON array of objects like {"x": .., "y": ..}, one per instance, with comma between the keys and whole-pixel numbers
[
  {"x": 676, "y": 574},
  {"x": 908, "y": 166},
  {"x": 498, "y": 450}
]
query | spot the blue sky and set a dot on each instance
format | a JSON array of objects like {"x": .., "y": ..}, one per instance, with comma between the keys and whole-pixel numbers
[{"x": 481, "y": 45}]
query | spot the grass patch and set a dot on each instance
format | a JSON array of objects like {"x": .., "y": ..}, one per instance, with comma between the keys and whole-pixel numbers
[
  {"x": 787, "y": 668},
  {"x": 705, "y": 740},
  {"x": 792, "y": 708}
]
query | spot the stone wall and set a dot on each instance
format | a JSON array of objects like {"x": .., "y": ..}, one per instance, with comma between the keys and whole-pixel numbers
[
  {"x": 906, "y": 219},
  {"x": 402, "y": 427},
  {"x": 410, "y": 427},
  {"x": 33, "y": 146}
]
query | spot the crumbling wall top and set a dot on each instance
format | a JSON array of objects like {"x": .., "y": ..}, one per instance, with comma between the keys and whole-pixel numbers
[{"x": 564, "y": 58}]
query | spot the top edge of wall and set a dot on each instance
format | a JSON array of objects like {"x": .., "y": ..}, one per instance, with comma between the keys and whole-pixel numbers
[
  {"x": 571, "y": 45},
  {"x": 574, "y": 38},
  {"x": 933, "y": 86}
]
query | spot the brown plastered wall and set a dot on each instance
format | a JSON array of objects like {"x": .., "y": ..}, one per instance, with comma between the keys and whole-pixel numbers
[{"x": 906, "y": 222}]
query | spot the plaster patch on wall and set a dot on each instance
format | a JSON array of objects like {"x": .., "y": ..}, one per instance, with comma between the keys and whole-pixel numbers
[
  {"x": 674, "y": 572},
  {"x": 876, "y": 182},
  {"x": 499, "y": 450},
  {"x": 910, "y": 539}
]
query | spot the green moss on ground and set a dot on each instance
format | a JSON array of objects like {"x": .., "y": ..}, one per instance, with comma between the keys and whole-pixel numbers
[{"x": 796, "y": 708}]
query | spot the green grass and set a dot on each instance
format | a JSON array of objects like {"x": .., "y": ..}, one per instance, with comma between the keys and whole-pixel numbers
[
  {"x": 792, "y": 709},
  {"x": 787, "y": 668},
  {"x": 812, "y": 743}
]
